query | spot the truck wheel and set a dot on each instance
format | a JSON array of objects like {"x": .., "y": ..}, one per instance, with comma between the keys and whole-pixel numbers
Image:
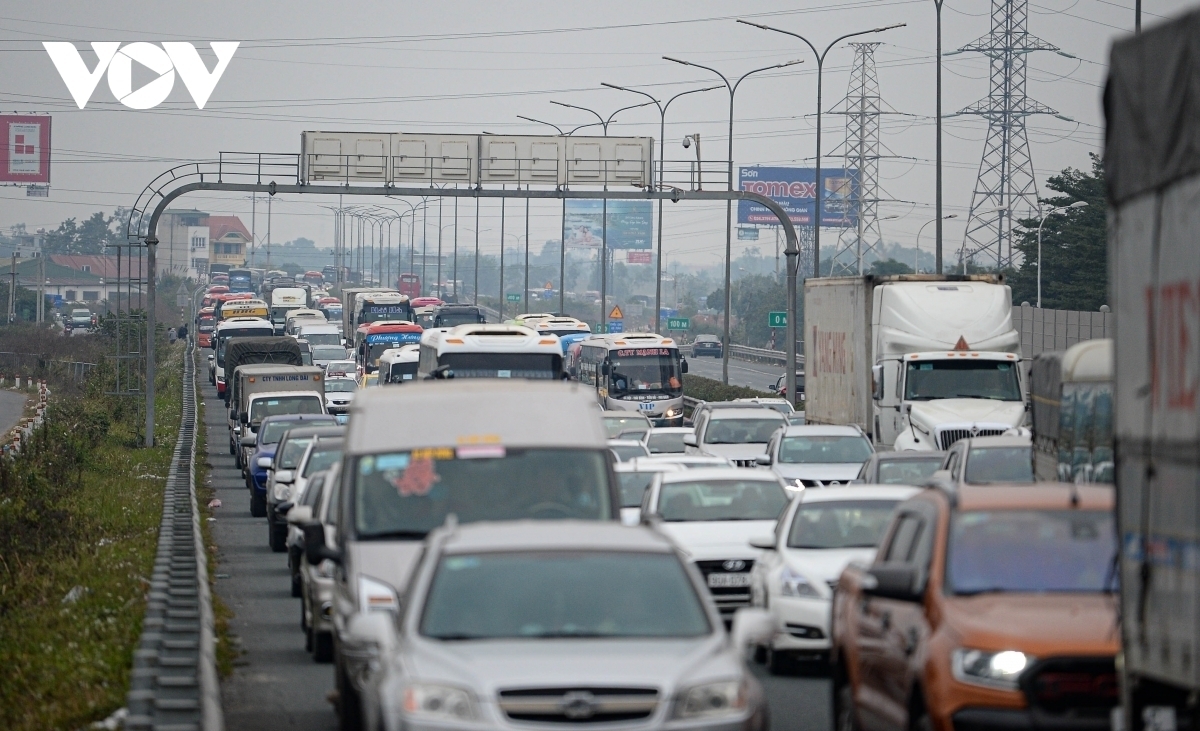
[{"x": 258, "y": 505}]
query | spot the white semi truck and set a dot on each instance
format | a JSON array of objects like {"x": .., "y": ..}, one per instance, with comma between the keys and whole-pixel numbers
[
  {"x": 917, "y": 361},
  {"x": 283, "y": 301},
  {"x": 1152, "y": 167}
]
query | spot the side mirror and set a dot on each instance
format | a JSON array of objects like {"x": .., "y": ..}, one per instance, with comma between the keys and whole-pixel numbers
[
  {"x": 244, "y": 417},
  {"x": 315, "y": 550},
  {"x": 683, "y": 366},
  {"x": 373, "y": 633},
  {"x": 265, "y": 463},
  {"x": 689, "y": 440},
  {"x": 248, "y": 441},
  {"x": 211, "y": 356},
  {"x": 892, "y": 582},
  {"x": 284, "y": 508},
  {"x": 604, "y": 369},
  {"x": 766, "y": 543},
  {"x": 772, "y": 388},
  {"x": 877, "y": 382},
  {"x": 283, "y": 477},
  {"x": 763, "y": 460},
  {"x": 751, "y": 626}
]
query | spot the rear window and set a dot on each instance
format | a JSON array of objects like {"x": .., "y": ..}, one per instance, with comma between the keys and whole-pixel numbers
[
  {"x": 907, "y": 471},
  {"x": 264, "y": 407},
  {"x": 987, "y": 465},
  {"x": 840, "y": 524},
  {"x": 322, "y": 459},
  {"x": 633, "y": 487},
  {"x": 293, "y": 450},
  {"x": 669, "y": 443},
  {"x": 721, "y": 500}
]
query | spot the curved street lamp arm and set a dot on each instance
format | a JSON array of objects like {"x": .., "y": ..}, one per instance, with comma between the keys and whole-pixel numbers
[
  {"x": 706, "y": 68},
  {"x": 548, "y": 124},
  {"x": 583, "y": 109}
]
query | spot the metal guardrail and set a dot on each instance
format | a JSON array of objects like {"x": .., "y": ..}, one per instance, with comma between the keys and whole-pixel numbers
[
  {"x": 760, "y": 355},
  {"x": 174, "y": 680}
]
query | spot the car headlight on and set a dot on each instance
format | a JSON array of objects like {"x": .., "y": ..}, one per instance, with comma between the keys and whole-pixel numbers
[
  {"x": 994, "y": 669},
  {"x": 672, "y": 413},
  {"x": 439, "y": 702},
  {"x": 796, "y": 585},
  {"x": 711, "y": 700},
  {"x": 374, "y": 595}
]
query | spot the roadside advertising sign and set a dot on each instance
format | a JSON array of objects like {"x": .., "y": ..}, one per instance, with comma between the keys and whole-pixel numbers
[{"x": 795, "y": 189}]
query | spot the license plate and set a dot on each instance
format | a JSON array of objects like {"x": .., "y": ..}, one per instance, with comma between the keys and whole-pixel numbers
[
  {"x": 725, "y": 581},
  {"x": 646, "y": 406}
]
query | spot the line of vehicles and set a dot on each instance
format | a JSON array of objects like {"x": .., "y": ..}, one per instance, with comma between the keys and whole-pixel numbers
[{"x": 528, "y": 532}]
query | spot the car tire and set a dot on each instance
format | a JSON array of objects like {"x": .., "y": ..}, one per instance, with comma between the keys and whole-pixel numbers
[
  {"x": 277, "y": 535},
  {"x": 845, "y": 716},
  {"x": 322, "y": 646},
  {"x": 760, "y": 654},
  {"x": 304, "y": 626},
  {"x": 232, "y": 448},
  {"x": 297, "y": 586},
  {"x": 349, "y": 707},
  {"x": 258, "y": 505},
  {"x": 779, "y": 662}
]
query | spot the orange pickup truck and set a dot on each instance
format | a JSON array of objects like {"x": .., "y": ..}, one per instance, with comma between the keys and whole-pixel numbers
[{"x": 989, "y": 607}]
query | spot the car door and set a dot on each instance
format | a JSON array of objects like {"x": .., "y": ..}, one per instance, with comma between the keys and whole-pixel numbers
[{"x": 874, "y": 627}]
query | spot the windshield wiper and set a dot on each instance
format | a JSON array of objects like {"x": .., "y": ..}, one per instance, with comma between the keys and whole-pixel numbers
[{"x": 397, "y": 535}]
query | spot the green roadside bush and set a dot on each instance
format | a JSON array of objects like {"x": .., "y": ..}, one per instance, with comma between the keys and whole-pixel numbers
[{"x": 707, "y": 389}]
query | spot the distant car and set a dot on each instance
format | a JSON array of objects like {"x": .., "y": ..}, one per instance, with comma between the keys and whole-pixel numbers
[
  {"x": 627, "y": 449},
  {"x": 781, "y": 405},
  {"x": 821, "y": 532},
  {"x": 635, "y": 477},
  {"x": 666, "y": 439},
  {"x": 706, "y": 345},
  {"x": 284, "y": 478},
  {"x": 261, "y": 448},
  {"x": 739, "y": 434},
  {"x": 987, "y": 461},
  {"x": 323, "y": 355},
  {"x": 689, "y": 461},
  {"x": 82, "y": 319},
  {"x": 780, "y": 385},
  {"x": 900, "y": 468},
  {"x": 341, "y": 369},
  {"x": 817, "y": 456},
  {"x": 339, "y": 393},
  {"x": 618, "y": 421}
]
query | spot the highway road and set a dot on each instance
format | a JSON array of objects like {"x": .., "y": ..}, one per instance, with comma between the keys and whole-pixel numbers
[
  {"x": 275, "y": 685},
  {"x": 12, "y": 408},
  {"x": 741, "y": 372}
]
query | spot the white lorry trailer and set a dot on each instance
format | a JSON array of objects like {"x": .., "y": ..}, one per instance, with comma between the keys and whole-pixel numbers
[
  {"x": 283, "y": 301},
  {"x": 917, "y": 361},
  {"x": 1152, "y": 166}
]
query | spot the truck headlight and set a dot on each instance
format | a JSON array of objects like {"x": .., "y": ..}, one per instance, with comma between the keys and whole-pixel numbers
[
  {"x": 796, "y": 585},
  {"x": 711, "y": 700},
  {"x": 375, "y": 595},
  {"x": 441, "y": 702},
  {"x": 993, "y": 669}
]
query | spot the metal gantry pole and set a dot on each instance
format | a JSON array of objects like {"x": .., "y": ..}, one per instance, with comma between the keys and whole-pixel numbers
[
  {"x": 475, "y": 289},
  {"x": 440, "y": 230},
  {"x": 503, "y": 299},
  {"x": 525, "y": 296},
  {"x": 937, "y": 257},
  {"x": 454, "y": 276}
]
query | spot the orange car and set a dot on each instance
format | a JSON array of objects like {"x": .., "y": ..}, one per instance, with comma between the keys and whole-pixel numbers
[{"x": 989, "y": 607}]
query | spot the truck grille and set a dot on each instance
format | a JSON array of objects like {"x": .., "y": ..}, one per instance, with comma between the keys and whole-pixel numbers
[
  {"x": 1076, "y": 688},
  {"x": 578, "y": 705},
  {"x": 950, "y": 436}
]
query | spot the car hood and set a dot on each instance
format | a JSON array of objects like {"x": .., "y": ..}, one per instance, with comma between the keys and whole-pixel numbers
[
  {"x": 1038, "y": 624},
  {"x": 734, "y": 451},
  {"x": 822, "y": 472},
  {"x": 967, "y": 411},
  {"x": 492, "y": 665},
  {"x": 825, "y": 565},
  {"x": 703, "y": 540}
]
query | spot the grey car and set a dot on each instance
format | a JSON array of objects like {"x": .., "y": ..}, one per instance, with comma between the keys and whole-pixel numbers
[{"x": 555, "y": 624}]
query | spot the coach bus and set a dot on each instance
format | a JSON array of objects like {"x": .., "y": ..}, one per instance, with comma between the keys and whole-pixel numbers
[
  {"x": 489, "y": 351},
  {"x": 640, "y": 372}
]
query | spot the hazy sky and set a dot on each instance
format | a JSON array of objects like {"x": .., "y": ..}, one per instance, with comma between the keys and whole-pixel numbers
[{"x": 472, "y": 66}]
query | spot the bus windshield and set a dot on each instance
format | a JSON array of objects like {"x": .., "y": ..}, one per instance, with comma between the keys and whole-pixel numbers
[
  {"x": 645, "y": 370},
  {"x": 543, "y": 366},
  {"x": 372, "y": 312},
  {"x": 454, "y": 318},
  {"x": 402, "y": 372}
]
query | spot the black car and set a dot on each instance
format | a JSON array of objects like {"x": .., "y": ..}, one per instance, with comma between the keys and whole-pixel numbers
[{"x": 706, "y": 345}]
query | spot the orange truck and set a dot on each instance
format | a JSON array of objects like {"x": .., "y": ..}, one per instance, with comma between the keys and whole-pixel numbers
[{"x": 986, "y": 607}]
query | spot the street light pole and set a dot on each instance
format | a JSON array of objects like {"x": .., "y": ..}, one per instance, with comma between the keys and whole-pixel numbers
[
  {"x": 1051, "y": 212},
  {"x": 917, "y": 255},
  {"x": 729, "y": 203},
  {"x": 937, "y": 257},
  {"x": 662, "y": 136},
  {"x": 820, "y": 67}
]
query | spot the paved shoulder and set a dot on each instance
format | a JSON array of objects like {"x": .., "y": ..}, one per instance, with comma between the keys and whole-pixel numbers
[{"x": 12, "y": 408}]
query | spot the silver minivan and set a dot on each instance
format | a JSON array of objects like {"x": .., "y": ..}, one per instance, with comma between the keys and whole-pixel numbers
[{"x": 472, "y": 449}]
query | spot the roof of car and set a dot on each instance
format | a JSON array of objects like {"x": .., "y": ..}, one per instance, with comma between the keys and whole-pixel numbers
[
  {"x": 322, "y": 418},
  {"x": 749, "y": 413},
  {"x": 1002, "y": 441},
  {"x": 822, "y": 430},
  {"x": 908, "y": 455},
  {"x": 671, "y": 430},
  {"x": 1035, "y": 496},
  {"x": 721, "y": 473},
  {"x": 624, "y": 442},
  {"x": 316, "y": 431},
  {"x": 859, "y": 492},
  {"x": 675, "y": 458},
  {"x": 557, "y": 535},
  {"x": 648, "y": 465}
]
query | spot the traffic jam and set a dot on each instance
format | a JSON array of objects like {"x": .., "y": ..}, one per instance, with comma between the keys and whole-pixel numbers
[{"x": 527, "y": 525}]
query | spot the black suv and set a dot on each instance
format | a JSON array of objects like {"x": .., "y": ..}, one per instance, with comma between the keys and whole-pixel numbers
[{"x": 706, "y": 345}]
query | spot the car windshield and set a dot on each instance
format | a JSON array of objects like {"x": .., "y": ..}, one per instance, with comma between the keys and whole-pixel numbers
[
  {"x": 333, "y": 351},
  {"x": 1031, "y": 551},
  {"x": 907, "y": 471},
  {"x": 741, "y": 431},
  {"x": 655, "y": 372},
  {"x": 840, "y": 524},
  {"x": 985, "y": 379},
  {"x": 289, "y": 457},
  {"x": 274, "y": 431},
  {"x": 340, "y": 366},
  {"x": 824, "y": 450},
  {"x": 669, "y": 443},
  {"x": 558, "y": 595},
  {"x": 322, "y": 459},
  {"x": 625, "y": 452},
  {"x": 545, "y": 366},
  {"x": 340, "y": 385},
  {"x": 454, "y": 318},
  {"x": 633, "y": 487},
  {"x": 411, "y": 493},
  {"x": 617, "y": 424},
  {"x": 731, "y": 499},
  {"x": 264, "y": 407},
  {"x": 986, "y": 465}
]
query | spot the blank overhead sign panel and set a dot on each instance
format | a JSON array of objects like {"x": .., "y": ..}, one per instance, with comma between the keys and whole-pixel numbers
[{"x": 416, "y": 159}]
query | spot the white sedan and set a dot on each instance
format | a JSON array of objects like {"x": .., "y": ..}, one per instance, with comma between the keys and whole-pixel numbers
[{"x": 821, "y": 532}]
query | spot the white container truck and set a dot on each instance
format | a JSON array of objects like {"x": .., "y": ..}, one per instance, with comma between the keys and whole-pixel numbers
[
  {"x": 917, "y": 361},
  {"x": 283, "y": 301},
  {"x": 1152, "y": 166}
]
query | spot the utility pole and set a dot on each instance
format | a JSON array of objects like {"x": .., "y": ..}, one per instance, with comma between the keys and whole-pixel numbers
[
  {"x": 269, "y": 232},
  {"x": 41, "y": 289},
  {"x": 12, "y": 290},
  {"x": 937, "y": 256}
]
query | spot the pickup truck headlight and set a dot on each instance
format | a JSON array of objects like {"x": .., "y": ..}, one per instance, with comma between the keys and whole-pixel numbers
[
  {"x": 711, "y": 700},
  {"x": 441, "y": 702},
  {"x": 796, "y": 585},
  {"x": 992, "y": 669},
  {"x": 375, "y": 595}
]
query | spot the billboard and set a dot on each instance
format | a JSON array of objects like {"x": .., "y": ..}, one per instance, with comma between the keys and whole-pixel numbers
[
  {"x": 25, "y": 157},
  {"x": 795, "y": 189},
  {"x": 630, "y": 223}
]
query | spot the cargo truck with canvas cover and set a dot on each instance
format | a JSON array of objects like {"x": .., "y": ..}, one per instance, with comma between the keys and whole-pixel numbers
[
  {"x": 1152, "y": 167},
  {"x": 1071, "y": 409},
  {"x": 916, "y": 361},
  {"x": 293, "y": 388},
  {"x": 256, "y": 350}
]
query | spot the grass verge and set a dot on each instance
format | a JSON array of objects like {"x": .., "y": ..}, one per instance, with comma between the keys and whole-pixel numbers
[{"x": 79, "y": 515}]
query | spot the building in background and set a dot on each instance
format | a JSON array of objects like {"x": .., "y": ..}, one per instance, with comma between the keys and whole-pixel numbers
[
  {"x": 191, "y": 241},
  {"x": 227, "y": 240}
]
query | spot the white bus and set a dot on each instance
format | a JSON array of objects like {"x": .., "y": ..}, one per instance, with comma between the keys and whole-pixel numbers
[
  {"x": 489, "y": 351},
  {"x": 640, "y": 372},
  {"x": 238, "y": 327},
  {"x": 398, "y": 365}
]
